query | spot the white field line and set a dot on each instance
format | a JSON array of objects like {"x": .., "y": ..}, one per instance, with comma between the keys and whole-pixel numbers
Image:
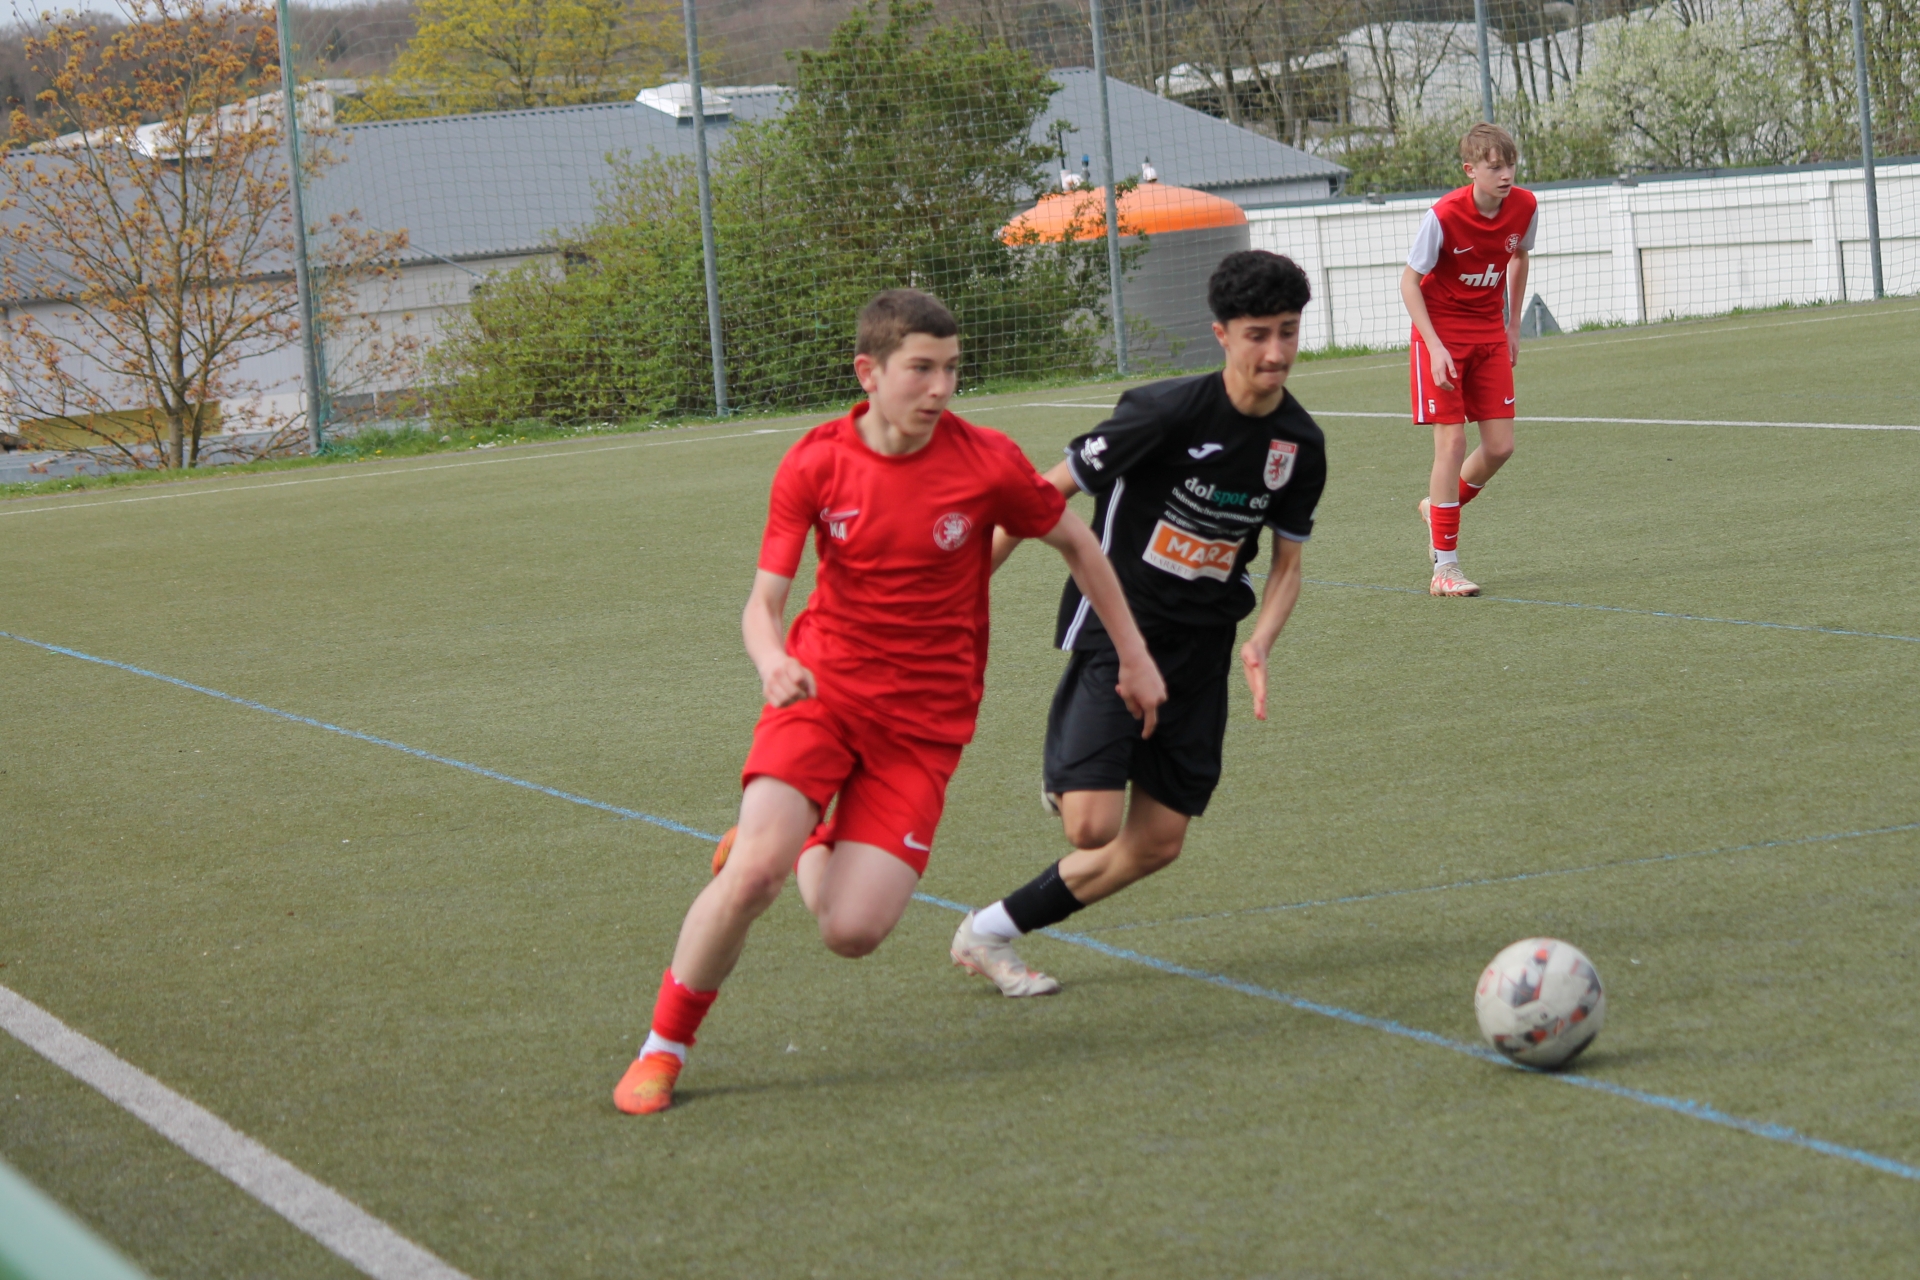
[
  {"x": 342, "y": 1227},
  {"x": 213, "y": 487},
  {"x": 1534, "y": 417},
  {"x": 1652, "y": 422},
  {"x": 1576, "y": 342}
]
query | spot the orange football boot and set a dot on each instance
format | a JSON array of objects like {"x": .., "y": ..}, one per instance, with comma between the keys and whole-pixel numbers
[{"x": 648, "y": 1085}]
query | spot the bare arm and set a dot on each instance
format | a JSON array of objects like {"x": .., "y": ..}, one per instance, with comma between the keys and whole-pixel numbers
[
  {"x": 1140, "y": 684},
  {"x": 1516, "y": 300},
  {"x": 1061, "y": 478},
  {"x": 764, "y": 627},
  {"x": 1276, "y": 606},
  {"x": 1416, "y": 304}
]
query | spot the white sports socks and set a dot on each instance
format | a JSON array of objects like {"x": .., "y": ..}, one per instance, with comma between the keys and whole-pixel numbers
[
  {"x": 657, "y": 1043},
  {"x": 995, "y": 922}
]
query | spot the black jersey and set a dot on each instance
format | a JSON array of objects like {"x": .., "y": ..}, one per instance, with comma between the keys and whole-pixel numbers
[{"x": 1183, "y": 482}]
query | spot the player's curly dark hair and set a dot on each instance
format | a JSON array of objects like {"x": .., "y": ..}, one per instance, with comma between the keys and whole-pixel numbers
[{"x": 1254, "y": 282}]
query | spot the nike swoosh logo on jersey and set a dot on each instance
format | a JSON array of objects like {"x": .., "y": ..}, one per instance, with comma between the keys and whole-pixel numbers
[
  {"x": 1205, "y": 450},
  {"x": 1509, "y": 400},
  {"x": 911, "y": 843},
  {"x": 1468, "y": 249}
]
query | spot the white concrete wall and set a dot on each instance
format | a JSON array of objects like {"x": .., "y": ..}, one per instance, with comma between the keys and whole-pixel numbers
[{"x": 1613, "y": 254}]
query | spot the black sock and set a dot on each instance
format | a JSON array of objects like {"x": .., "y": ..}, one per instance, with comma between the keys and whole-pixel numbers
[{"x": 1042, "y": 901}]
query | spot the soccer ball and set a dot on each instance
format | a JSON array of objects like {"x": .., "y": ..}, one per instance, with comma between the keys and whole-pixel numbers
[{"x": 1540, "y": 1002}]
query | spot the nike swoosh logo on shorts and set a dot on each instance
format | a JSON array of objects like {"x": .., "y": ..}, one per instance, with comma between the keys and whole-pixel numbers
[
  {"x": 1509, "y": 400},
  {"x": 911, "y": 843}
]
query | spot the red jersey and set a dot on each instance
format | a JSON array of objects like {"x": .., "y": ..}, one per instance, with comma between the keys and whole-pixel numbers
[
  {"x": 896, "y": 627},
  {"x": 1462, "y": 257}
]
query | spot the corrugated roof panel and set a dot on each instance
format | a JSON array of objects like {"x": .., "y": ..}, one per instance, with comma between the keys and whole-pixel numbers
[{"x": 500, "y": 183}]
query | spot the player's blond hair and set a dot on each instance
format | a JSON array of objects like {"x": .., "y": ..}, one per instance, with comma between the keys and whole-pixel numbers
[{"x": 1488, "y": 142}]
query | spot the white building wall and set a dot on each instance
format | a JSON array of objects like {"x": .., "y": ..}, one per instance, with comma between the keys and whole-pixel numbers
[{"x": 1613, "y": 254}]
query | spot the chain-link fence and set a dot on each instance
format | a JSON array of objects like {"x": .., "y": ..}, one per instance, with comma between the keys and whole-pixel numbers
[{"x": 583, "y": 237}]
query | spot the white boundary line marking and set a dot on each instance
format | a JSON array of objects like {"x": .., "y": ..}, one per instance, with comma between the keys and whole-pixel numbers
[
  {"x": 342, "y": 1227},
  {"x": 1642, "y": 422},
  {"x": 190, "y": 489},
  {"x": 1535, "y": 417},
  {"x": 1045, "y": 404}
]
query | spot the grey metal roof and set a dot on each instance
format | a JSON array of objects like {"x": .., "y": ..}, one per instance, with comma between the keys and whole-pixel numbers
[
  {"x": 501, "y": 183},
  {"x": 1189, "y": 148}
]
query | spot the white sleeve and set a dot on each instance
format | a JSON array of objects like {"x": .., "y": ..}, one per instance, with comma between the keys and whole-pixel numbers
[
  {"x": 1533, "y": 227},
  {"x": 1425, "y": 254}
]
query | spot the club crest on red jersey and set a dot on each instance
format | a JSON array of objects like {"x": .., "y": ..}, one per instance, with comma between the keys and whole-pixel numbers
[
  {"x": 1280, "y": 456},
  {"x": 950, "y": 531},
  {"x": 1513, "y": 242}
]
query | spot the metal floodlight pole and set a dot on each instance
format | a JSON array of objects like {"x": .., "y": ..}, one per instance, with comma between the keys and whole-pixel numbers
[
  {"x": 1113, "y": 201},
  {"x": 313, "y": 359},
  {"x": 1486, "y": 61},
  {"x": 708, "y": 252},
  {"x": 1866, "y": 148}
]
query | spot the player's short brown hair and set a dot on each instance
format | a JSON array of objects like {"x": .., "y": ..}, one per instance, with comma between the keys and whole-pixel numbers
[
  {"x": 886, "y": 321},
  {"x": 1488, "y": 142}
]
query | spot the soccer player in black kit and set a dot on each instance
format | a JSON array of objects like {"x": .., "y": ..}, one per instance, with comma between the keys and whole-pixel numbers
[{"x": 1185, "y": 474}]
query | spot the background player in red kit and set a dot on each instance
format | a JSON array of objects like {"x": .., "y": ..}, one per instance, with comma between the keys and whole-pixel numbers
[
  {"x": 1465, "y": 284},
  {"x": 873, "y": 692}
]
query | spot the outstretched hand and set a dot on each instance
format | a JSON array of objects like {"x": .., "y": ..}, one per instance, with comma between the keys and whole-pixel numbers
[
  {"x": 1253, "y": 663},
  {"x": 1143, "y": 690},
  {"x": 787, "y": 682}
]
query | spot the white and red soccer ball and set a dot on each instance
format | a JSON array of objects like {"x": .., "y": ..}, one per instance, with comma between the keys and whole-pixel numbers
[{"x": 1540, "y": 1002}]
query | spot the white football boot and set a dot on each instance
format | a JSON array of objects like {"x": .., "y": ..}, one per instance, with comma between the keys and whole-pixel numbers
[{"x": 994, "y": 959}]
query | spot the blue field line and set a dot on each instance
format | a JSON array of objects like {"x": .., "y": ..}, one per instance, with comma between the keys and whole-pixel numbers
[
  {"x": 357, "y": 736},
  {"x": 1642, "y": 613},
  {"x": 1679, "y": 1106},
  {"x": 1308, "y": 903}
]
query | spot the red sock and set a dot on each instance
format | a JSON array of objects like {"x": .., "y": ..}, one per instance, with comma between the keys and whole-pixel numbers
[
  {"x": 679, "y": 1010},
  {"x": 1445, "y": 518},
  {"x": 1468, "y": 492}
]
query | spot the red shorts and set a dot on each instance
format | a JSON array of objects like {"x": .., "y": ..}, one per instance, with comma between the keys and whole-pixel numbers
[
  {"x": 1482, "y": 390},
  {"x": 892, "y": 788}
]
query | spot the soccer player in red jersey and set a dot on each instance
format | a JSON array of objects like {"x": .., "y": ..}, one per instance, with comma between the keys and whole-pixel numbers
[
  {"x": 872, "y": 693},
  {"x": 1465, "y": 284}
]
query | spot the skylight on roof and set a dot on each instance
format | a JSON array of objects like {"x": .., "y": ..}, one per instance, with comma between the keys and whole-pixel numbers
[{"x": 676, "y": 100}]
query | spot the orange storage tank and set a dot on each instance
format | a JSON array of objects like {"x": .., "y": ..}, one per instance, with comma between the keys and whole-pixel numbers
[
  {"x": 1151, "y": 209},
  {"x": 1187, "y": 233}
]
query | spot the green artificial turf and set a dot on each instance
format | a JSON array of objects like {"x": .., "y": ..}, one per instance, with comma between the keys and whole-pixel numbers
[{"x": 419, "y": 985}]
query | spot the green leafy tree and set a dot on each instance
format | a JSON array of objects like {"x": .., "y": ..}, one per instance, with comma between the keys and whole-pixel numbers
[
  {"x": 902, "y": 155},
  {"x": 500, "y": 55}
]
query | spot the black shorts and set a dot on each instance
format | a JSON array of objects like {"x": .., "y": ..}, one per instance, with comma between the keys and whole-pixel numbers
[{"x": 1094, "y": 743}]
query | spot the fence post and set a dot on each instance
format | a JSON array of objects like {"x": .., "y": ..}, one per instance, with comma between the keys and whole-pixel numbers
[
  {"x": 1486, "y": 61},
  {"x": 708, "y": 253},
  {"x": 1866, "y": 148},
  {"x": 313, "y": 358},
  {"x": 1112, "y": 179}
]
